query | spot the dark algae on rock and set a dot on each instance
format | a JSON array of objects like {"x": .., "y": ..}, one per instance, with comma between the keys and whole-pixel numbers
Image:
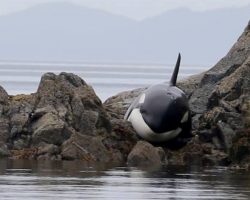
[{"x": 65, "y": 120}]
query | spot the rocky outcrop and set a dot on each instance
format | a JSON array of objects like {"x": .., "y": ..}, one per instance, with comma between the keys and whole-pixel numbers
[
  {"x": 219, "y": 102},
  {"x": 65, "y": 119}
]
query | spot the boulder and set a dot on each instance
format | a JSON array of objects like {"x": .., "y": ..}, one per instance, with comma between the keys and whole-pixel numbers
[
  {"x": 86, "y": 148},
  {"x": 197, "y": 153},
  {"x": 122, "y": 138},
  {"x": 49, "y": 149},
  {"x": 117, "y": 105},
  {"x": 19, "y": 111},
  {"x": 48, "y": 152},
  {"x": 146, "y": 155},
  {"x": 74, "y": 102},
  {"x": 50, "y": 129}
]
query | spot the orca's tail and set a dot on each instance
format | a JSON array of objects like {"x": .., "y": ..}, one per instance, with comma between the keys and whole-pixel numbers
[{"x": 176, "y": 70}]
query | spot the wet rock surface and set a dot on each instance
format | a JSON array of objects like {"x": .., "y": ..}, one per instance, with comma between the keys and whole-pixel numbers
[{"x": 65, "y": 119}]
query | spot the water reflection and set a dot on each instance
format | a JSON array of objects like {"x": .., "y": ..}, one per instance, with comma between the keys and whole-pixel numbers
[{"x": 25, "y": 179}]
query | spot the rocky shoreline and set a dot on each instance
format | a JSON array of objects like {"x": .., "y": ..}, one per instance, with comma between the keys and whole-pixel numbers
[{"x": 65, "y": 120}]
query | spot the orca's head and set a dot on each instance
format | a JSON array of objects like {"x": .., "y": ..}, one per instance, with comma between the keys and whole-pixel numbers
[{"x": 164, "y": 107}]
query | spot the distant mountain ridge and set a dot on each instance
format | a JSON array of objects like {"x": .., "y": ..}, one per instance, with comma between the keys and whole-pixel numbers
[{"x": 66, "y": 32}]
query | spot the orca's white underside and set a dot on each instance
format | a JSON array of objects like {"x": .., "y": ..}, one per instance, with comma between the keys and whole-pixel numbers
[{"x": 144, "y": 131}]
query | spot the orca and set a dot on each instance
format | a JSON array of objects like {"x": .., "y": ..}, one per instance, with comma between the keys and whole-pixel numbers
[{"x": 161, "y": 113}]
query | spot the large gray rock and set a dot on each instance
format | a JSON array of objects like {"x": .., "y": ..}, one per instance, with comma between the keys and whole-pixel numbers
[
  {"x": 122, "y": 138},
  {"x": 50, "y": 129},
  {"x": 234, "y": 60},
  {"x": 117, "y": 105},
  {"x": 66, "y": 104},
  {"x": 20, "y": 108},
  {"x": 145, "y": 154},
  {"x": 74, "y": 102},
  {"x": 86, "y": 148}
]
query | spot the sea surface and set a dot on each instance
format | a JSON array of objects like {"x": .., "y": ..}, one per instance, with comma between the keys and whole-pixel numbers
[
  {"x": 69, "y": 180},
  {"x": 106, "y": 79}
]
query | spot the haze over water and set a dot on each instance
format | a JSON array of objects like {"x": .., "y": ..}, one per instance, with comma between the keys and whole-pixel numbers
[{"x": 106, "y": 79}]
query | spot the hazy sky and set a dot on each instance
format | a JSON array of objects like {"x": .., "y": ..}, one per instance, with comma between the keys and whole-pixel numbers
[{"x": 136, "y": 9}]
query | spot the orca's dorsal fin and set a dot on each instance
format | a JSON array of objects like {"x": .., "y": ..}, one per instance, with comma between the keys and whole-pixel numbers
[{"x": 176, "y": 70}]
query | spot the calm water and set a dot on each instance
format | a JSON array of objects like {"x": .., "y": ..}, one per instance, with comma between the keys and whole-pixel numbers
[
  {"x": 25, "y": 180},
  {"x": 107, "y": 79}
]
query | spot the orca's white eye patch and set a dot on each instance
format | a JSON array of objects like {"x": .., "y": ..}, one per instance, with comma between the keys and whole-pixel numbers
[
  {"x": 185, "y": 117},
  {"x": 142, "y": 98}
]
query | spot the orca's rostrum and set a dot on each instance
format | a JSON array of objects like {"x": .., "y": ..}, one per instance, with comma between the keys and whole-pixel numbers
[{"x": 161, "y": 113}]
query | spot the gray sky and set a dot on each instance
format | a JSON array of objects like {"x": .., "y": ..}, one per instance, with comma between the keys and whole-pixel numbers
[{"x": 135, "y": 9}]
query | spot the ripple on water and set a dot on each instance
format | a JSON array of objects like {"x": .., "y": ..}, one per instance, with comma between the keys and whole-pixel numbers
[{"x": 21, "y": 180}]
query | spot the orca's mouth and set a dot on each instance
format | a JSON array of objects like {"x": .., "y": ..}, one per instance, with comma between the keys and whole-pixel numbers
[
  {"x": 161, "y": 123},
  {"x": 144, "y": 131}
]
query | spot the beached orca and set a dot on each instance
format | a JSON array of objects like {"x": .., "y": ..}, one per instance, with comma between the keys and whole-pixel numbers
[{"x": 161, "y": 114}]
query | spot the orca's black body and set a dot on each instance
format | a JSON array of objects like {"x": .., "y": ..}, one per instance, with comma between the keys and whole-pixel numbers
[{"x": 160, "y": 114}]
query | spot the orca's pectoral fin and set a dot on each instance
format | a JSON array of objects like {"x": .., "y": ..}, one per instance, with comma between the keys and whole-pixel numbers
[{"x": 176, "y": 70}]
